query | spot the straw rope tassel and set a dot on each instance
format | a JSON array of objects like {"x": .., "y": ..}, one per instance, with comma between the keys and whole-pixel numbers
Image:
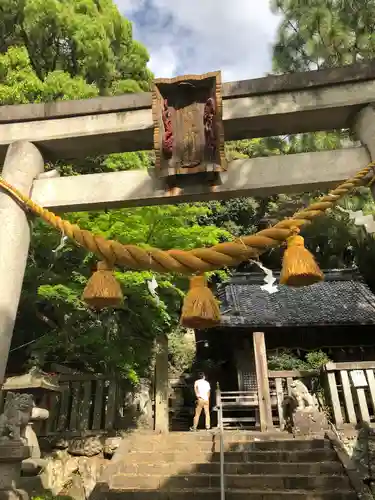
[
  {"x": 102, "y": 289},
  {"x": 200, "y": 309},
  {"x": 299, "y": 266}
]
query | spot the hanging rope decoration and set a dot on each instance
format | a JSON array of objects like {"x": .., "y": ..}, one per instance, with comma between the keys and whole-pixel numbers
[
  {"x": 360, "y": 219},
  {"x": 299, "y": 271},
  {"x": 269, "y": 278},
  {"x": 299, "y": 266},
  {"x": 200, "y": 309},
  {"x": 102, "y": 289}
]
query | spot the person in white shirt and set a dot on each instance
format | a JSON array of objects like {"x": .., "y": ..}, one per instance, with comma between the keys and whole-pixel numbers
[{"x": 202, "y": 391}]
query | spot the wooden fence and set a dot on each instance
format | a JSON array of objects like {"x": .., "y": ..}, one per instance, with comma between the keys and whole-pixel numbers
[
  {"x": 100, "y": 403},
  {"x": 86, "y": 402},
  {"x": 241, "y": 408},
  {"x": 351, "y": 391}
]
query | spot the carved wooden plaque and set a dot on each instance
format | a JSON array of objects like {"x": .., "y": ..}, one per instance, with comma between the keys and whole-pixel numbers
[{"x": 188, "y": 127}]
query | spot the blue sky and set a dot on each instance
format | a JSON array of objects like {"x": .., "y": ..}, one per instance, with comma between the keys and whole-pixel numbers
[{"x": 196, "y": 36}]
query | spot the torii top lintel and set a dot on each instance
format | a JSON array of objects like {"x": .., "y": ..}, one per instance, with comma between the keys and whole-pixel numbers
[{"x": 274, "y": 105}]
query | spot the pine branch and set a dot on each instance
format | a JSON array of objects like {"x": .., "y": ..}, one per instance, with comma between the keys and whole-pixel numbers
[{"x": 300, "y": 50}]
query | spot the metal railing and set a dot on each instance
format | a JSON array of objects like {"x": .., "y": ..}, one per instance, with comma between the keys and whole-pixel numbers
[{"x": 219, "y": 408}]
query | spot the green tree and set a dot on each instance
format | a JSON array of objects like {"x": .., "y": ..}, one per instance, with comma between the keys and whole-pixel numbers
[
  {"x": 320, "y": 34},
  {"x": 312, "y": 35},
  {"x": 289, "y": 360},
  {"x": 89, "y": 39},
  {"x": 52, "y": 313},
  {"x": 73, "y": 49},
  {"x": 317, "y": 34},
  {"x": 20, "y": 84}
]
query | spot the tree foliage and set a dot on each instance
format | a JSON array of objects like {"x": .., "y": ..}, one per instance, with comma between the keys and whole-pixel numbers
[
  {"x": 288, "y": 360},
  {"x": 73, "y": 49},
  {"x": 313, "y": 34},
  {"x": 19, "y": 84},
  {"x": 182, "y": 351},
  {"x": 86, "y": 39},
  {"x": 320, "y": 34},
  {"x": 317, "y": 34}
]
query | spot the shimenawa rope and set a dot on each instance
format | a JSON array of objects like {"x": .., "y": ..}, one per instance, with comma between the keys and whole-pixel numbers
[{"x": 198, "y": 260}]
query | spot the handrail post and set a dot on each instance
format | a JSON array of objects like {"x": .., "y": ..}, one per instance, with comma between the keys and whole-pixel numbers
[{"x": 219, "y": 405}]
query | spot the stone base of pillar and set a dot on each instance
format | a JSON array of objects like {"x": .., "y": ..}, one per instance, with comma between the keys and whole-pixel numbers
[
  {"x": 11, "y": 455},
  {"x": 309, "y": 422}
]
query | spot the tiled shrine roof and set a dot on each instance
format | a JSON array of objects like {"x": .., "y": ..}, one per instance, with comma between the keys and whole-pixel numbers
[{"x": 342, "y": 299}]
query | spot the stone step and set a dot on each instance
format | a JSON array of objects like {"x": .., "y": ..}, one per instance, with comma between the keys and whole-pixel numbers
[
  {"x": 304, "y": 468},
  {"x": 192, "y": 446},
  {"x": 214, "y": 494},
  {"x": 281, "y": 482},
  {"x": 248, "y": 482},
  {"x": 171, "y": 468},
  {"x": 181, "y": 456},
  {"x": 237, "y": 434},
  {"x": 292, "y": 445},
  {"x": 325, "y": 454},
  {"x": 229, "y": 437},
  {"x": 209, "y": 441}
]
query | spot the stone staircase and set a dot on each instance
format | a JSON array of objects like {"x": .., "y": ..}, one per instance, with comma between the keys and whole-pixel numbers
[{"x": 186, "y": 466}]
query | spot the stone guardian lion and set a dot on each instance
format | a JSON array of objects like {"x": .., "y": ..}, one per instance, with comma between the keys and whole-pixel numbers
[{"x": 16, "y": 416}]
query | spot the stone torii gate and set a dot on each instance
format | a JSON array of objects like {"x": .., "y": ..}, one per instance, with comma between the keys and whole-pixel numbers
[{"x": 32, "y": 134}]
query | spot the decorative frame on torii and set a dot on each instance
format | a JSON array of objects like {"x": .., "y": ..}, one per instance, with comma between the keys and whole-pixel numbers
[{"x": 32, "y": 134}]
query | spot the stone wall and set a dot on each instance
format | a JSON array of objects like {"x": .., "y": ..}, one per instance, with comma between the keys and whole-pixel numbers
[
  {"x": 358, "y": 444},
  {"x": 73, "y": 465}
]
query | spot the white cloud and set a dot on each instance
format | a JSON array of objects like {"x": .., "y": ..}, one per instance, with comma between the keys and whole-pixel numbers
[
  {"x": 128, "y": 6},
  {"x": 163, "y": 62},
  {"x": 196, "y": 36}
]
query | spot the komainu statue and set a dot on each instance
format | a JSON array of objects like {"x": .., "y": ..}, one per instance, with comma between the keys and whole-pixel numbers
[
  {"x": 304, "y": 400},
  {"x": 301, "y": 411},
  {"x": 16, "y": 416}
]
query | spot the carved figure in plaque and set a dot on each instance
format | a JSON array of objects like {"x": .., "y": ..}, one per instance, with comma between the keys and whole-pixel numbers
[
  {"x": 168, "y": 131},
  {"x": 16, "y": 416},
  {"x": 209, "y": 127},
  {"x": 188, "y": 129},
  {"x": 190, "y": 154}
]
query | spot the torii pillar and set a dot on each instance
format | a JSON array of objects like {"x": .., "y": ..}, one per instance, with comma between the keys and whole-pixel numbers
[
  {"x": 364, "y": 129},
  {"x": 23, "y": 163}
]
